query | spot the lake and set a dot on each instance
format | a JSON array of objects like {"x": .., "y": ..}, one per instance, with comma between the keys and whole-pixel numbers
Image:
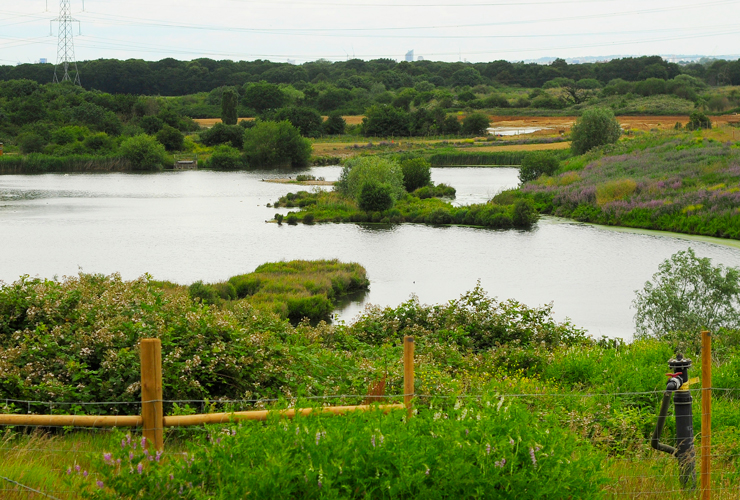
[{"x": 203, "y": 225}]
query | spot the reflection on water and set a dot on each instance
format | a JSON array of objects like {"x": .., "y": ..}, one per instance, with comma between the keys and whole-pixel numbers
[{"x": 200, "y": 225}]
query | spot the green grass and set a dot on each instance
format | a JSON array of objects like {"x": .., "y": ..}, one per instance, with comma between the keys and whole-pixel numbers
[{"x": 294, "y": 290}]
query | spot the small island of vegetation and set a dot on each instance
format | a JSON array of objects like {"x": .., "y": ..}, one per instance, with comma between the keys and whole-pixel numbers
[{"x": 384, "y": 190}]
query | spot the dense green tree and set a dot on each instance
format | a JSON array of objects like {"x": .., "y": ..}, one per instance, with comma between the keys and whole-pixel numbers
[
  {"x": 385, "y": 121},
  {"x": 374, "y": 196},
  {"x": 596, "y": 127},
  {"x": 276, "y": 144},
  {"x": 100, "y": 143},
  {"x": 450, "y": 125},
  {"x": 151, "y": 124},
  {"x": 263, "y": 96},
  {"x": 335, "y": 124},
  {"x": 357, "y": 171},
  {"x": 307, "y": 120},
  {"x": 466, "y": 76},
  {"x": 144, "y": 152},
  {"x": 222, "y": 134},
  {"x": 536, "y": 164},
  {"x": 229, "y": 103},
  {"x": 417, "y": 172},
  {"x": 31, "y": 142},
  {"x": 475, "y": 124},
  {"x": 698, "y": 120},
  {"x": 226, "y": 157},
  {"x": 688, "y": 294},
  {"x": 171, "y": 138}
]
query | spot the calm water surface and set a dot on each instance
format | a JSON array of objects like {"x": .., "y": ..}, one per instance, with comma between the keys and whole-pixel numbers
[{"x": 200, "y": 225}]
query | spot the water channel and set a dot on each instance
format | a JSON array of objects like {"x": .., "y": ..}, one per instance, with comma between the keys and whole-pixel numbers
[{"x": 203, "y": 225}]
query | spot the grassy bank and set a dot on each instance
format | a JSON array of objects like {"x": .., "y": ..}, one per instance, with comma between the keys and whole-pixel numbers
[{"x": 682, "y": 183}]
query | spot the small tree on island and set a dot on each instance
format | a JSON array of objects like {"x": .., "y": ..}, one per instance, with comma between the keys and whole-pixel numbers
[
  {"x": 417, "y": 173},
  {"x": 358, "y": 171},
  {"x": 596, "y": 127},
  {"x": 374, "y": 197}
]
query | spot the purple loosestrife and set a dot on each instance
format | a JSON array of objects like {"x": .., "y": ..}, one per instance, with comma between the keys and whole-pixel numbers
[
  {"x": 531, "y": 454},
  {"x": 140, "y": 468}
]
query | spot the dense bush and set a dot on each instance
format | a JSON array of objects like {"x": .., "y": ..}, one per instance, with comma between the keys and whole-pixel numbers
[
  {"x": 357, "y": 171},
  {"x": 307, "y": 120},
  {"x": 374, "y": 197},
  {"x": 596, "y": 127},
  {"x": 537, "y": 164},
  {"x": 698, "y": 121},
  {"x": 475, "y": 124},
  {"x": 417, "y": 173},
  {"x": 276, "y": 144},
  {"x": 223, "y": 134},
  {"x": 226, "y": 157},
  {"x": 171, "y": 138},
  {"x": 334, "y": 124},
  {"x": 144, "y": 152},
  {"x": 385, "y": 121}
]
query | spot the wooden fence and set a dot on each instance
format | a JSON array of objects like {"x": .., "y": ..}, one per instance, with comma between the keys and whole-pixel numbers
[{"x": 152, "y": 418}]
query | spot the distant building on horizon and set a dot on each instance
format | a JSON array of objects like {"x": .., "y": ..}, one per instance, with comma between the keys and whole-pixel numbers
[
  {"x": 410, "y": 56},
  {"x": 42, "y": 60}
]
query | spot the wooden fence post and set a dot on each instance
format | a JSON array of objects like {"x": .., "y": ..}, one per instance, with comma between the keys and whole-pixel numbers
[
  {"x": 151, "y": 393},
  {"x": 408, "y": 374},
  {"x": 706, "y": 415}
]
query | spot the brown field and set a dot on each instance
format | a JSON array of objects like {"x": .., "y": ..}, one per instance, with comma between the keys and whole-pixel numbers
[{"x": 555, "y": 122}]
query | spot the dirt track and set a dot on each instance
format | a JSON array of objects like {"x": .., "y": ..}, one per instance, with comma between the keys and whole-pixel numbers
[
  {"x": 554, "y": 122},
  {"x": 627, "y": 122}
]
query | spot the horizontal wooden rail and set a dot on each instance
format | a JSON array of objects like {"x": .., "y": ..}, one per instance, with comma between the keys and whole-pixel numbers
[
  {"x": 220, "y": 418},
  {"x": 72, "y": 420}
]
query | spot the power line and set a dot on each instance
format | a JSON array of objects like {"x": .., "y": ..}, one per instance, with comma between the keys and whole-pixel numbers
[
  {"x": 65, "y": 47},
  {"x": 127, "y": 20}
]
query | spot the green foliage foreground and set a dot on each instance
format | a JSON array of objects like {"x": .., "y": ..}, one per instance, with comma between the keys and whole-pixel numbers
[
  {"x": 487, "y": 449},
  {"x": 76, "y": 340}
]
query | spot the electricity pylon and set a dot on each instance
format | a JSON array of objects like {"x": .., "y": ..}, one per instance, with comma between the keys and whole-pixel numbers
[{"x": 66, "y": 48}]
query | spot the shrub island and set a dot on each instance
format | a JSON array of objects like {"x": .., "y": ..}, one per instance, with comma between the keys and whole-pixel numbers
[
  {"x": 376, "y": 189},
  {"x": 294, "y": 290}
]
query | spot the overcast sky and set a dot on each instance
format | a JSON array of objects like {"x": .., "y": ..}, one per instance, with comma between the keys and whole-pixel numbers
[{"x": 302, "y": 30}]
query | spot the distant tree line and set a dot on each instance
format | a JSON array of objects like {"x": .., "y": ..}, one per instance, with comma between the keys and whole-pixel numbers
[{"x": 170, "y": 77}]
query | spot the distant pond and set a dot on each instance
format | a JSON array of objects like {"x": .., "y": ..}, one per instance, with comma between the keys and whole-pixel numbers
[{"x": 203, "y": 225}]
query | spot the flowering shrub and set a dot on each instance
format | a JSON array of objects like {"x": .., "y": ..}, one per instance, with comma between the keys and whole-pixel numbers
[
  {"x": 684, "y": 185},
  {"x": 489, "y": 449}
]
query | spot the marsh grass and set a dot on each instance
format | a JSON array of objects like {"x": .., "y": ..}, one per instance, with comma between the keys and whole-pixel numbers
[{"x": 40, "y": 163}]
